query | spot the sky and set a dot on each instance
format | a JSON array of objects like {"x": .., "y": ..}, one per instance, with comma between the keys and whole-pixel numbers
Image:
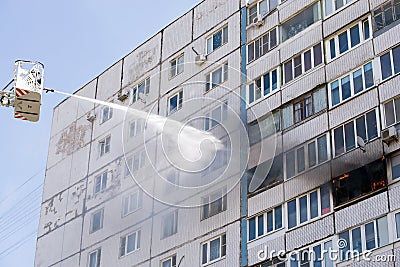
[{"x": 76, "y": 40}]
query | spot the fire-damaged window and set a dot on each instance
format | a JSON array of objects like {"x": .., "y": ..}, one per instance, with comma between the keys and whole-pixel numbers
[
  {"x": 360, "y": 182},
  {"x": 265, "y": 175}
]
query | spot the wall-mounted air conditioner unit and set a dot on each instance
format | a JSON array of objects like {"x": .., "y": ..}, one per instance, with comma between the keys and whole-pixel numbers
[
  {"x": 91, "y": 116},
  {"x": 390, "y": 134},
  {"x": 201, "y": 59},
  {"x": 259, "y": 20}
]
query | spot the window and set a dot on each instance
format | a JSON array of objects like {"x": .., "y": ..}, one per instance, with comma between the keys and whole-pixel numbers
[
  {"x": 264, "y": 127},
  {"x": 263, "y": 86},
  {"x": 265, "y": 223},
  {"x": 359, "y": 182},
  {"x": 333, "y": 5},
  {"x": 177, "y": 65},
  {"x": 300, "y": 22},
  {"x": 395, "y": 162},
  {"x": 130, "y": 243},
  {"x": 274, "y": 175},
  {"x": 351, "y": 84},
  {"x": 220, "y": 160},
  {"x": 170, "y": 262},
  {"x": 214, "y": 204},
  {"x": 397, "y": 217},
  {"x": 217, "y": 77},
  {"x": 106, "y": 114},
  {"x": 262, "y": 45},
  {"x": 96, "y": 221},
  {"x": 390, "y": 63},
  {"x": 302, "y": 63},
  {"x": 94, "y": 258},
  {"x": 140, "y": 90},
  {"x": 217, "y": 39},
  {"x": 309, "y": 206},
  {"x": 386, "y": 14},
  {"x": 261, "y": 8},
  {"x": 213, "y": 250},
  {"x": 170, "y": 224},
  {"x": 132, "y": 202},
  {"x": 366, "y": 237},
  {"x": 216, "y": 116},
  {"x": 136, "y": 127},
  {"x": 306, "y": 156},
  {"x": 175, "y": 102},
  {"x": 302, "y": 109},
  {"x": 316, "y": 256},
  {"x": 100, "y": 182},
  {"x": 104, "y": 146},
  {"x": 345, "y": 136},
  {"x": 349, "y": 39},
  {"x": 392, "y": 112},
  {"x": 135, "y": 163}
]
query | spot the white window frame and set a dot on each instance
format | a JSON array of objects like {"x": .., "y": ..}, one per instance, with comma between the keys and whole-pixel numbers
[
  {"x": 303, "y": 71},
  {"x": 334, "y": 9},
  {"x": 260, "y": 39},
  {"x": 361, "y": 29},
  {"x": 174, "y": 224},
  {"x": 177, "y": 66},
  {"x": 135, "y": 90},
  {"x": 309, "y": 219},
  {"x": 396, "y": 120},
  {"x": 265, "y": 223},
  {"x": 255, "y": 87},
  {"x": 363, "y": 237},
  {"x": 97, "y": 253},
  {"x": 311, "y": 254},
  {"x": 127, "y": 208},
  {"x": 224, "y": 68},
  {"x": 179, "y": 99},
  {"x": 222, "y": 194},
  {"x": 307, "y": 166},
  {"x": 208, "y": 262},
  {"x": 136, "y": 127},
  {"x": 354, "y": 120},
  {"x": 210, "y": 42},
  {"x": 396, "y": 227},
  {"x": 351, "y": 77},
  {"x": 101, "y": 211},
  {"x": 171, "y": 259},
  {"x": 106, "y": 114},
  {"x": 105, "y": 145},
  {"x": 102, "y": 180},
  {"x": 136, "y": 246},
  {"x": 392, "y": 63},
  {"x": 209, "y": 119}
]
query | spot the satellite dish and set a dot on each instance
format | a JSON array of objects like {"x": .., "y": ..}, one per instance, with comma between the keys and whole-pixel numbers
[{"x": 361, "y": 143}]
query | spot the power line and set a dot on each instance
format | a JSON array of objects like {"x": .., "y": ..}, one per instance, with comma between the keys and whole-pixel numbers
[
  {"x": 24, "y": 183},
  {"x": 16, "y": 245}
]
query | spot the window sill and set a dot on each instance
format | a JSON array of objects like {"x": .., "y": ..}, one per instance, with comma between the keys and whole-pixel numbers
[
  {"x": 130, "y": 213},
  {"x": 129, "y": 253},
  {"x": 360, "y": 198},
  {"x": 350, "y": 98},
  {"x": 309, "y": 169},
  {"x": 263, "y": 55},
  {"x": 272, "y": 233},
  {"x": 355, "y": 148},
  {"x": 214, "y": 261},
  {"x": 390, "y": 77},
  {"x": 330, "y": 60},
  {"x": 218, "y": 86},
  {"x": 326, "y": 17},
  {"x": 265, "y": 97},
  {"x": 303, "y": 75},
  {"x": 310, "y": 221}
]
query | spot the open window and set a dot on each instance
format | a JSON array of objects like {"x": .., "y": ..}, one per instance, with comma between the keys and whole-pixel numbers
[{"x": 360, "y": 182}]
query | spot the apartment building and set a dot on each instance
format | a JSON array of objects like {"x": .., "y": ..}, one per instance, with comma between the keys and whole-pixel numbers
[{"x": 317, "y": 79}]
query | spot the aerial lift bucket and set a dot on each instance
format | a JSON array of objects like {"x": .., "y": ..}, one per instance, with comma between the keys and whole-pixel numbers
[{"x": 28, "y": 88}]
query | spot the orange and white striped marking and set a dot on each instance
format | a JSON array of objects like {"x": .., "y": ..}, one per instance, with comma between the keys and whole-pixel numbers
[
  {"x": 21, "y": 92},
  {"x": 19, "y": 116}
]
